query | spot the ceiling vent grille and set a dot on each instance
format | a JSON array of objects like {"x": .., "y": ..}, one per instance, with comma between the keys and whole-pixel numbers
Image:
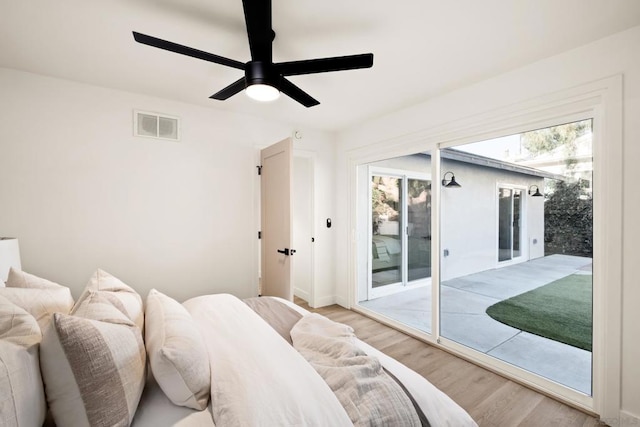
[{"x": 154, "y": 125}]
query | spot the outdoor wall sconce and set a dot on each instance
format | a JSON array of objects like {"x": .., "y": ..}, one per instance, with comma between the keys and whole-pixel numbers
[
  {"x": 450, "y": 183},
  {"x": 536, "y": 193}
]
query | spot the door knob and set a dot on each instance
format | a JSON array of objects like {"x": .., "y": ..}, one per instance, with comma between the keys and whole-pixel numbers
[{"x": 285, "y": 251}]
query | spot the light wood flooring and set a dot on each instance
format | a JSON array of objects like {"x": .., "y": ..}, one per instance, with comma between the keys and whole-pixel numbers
[{"x": 490, "y": 399}]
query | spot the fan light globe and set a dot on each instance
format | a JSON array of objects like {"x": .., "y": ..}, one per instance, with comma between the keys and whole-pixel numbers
[{"x": 262, "y": 92}]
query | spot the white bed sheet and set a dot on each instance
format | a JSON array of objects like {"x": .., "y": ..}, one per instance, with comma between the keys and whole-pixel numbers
[{"x": 156, "y": 410}]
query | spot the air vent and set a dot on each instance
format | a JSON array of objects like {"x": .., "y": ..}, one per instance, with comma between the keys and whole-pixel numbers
[{"x": 154, "y": 125}]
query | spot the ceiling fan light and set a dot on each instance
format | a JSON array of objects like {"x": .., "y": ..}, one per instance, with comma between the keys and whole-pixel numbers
[{"x": 262, "y": 92}]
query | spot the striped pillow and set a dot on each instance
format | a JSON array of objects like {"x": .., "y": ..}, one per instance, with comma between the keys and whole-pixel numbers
[
  {"x": 93, "y": 367},
  {"x": 20, "y": 279},
  {"x": 177, "y": 356},
  {"x": 18, "y": 326},
  {"x": 129, "y": 300},
  {"x": 38, "y": 296}
]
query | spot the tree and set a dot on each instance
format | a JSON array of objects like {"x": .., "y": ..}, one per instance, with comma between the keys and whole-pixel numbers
[
  {"x": 568, "y": 219},
  {"x": 548, "y": 139}
]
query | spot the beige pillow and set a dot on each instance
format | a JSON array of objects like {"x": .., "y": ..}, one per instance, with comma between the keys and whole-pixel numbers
[
  {"x": 20, "y": 279},
  {"x": 18, "y": 326},
  {"x": 93, "y": 370},
  {"x": 22, "y": 401},
  {"x": 177, "y": 356},
  {"x": 124, "y": 297},
  {"x": 40, "y": 297}
]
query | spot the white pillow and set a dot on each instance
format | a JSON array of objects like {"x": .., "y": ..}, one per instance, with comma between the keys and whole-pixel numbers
[
  {"x": 177, "y": 356},
  {"x": 124, "y": 297},
  {"x": 93, "y": 370},
  {"x": 38, "y": 296},
  {"x": 22, "y": 401}
]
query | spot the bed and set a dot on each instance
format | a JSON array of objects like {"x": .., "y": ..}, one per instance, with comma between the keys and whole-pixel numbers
[{"x": 214, "y": 360}]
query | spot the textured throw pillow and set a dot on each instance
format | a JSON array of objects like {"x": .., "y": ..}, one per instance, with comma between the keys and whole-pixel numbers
[
  {"x": 93, "y": 370},
  {"x": 177, "y": 356},
  {"x": 120, "y": 294},
  {"x": 22, "y": 401},
  {"x": 99, "y": 305},
  {"x": 38, "y": 296}
]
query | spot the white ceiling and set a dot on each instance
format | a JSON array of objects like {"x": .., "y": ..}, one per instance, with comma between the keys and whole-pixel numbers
[{"x": 422, "y": 48}]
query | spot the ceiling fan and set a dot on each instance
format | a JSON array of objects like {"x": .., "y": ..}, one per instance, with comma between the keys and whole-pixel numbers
[{"x": 263, "y": 79}]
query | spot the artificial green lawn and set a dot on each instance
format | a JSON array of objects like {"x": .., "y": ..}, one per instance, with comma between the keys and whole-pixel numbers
[{"x": 561, "y": 311}]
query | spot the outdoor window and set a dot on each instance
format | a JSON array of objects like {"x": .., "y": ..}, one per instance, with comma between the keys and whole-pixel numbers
[
  {"x": 516, "y": 277},
  {"x": 516, "y": 248}
]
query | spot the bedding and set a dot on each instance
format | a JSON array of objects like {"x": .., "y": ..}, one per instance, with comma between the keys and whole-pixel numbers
[
  {"x": 22, "y": 401},
  {"x": 156, "y": 410},
  {"x": 258, "y": 378},
  {"x": 279, "y": 384},
  {"x": 93, "y": 367},
  {"x": 439, "y": 408},
  {"x": 40, "y": 297},
  {"x": 367, "y": 393},
  {"x": 177, "y": 356},
  {"x": 270, "y": 362},
  {"x": 121, "y": 295}
]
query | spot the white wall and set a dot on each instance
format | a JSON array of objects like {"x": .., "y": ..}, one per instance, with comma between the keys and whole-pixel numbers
[
  {"x": 470, "y": 218},
  {"x": 80, "y": 192},
  {"x": 604, "y": 58}
]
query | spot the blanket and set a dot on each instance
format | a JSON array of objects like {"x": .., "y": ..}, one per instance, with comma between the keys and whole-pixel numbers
[
  {"x": 367, "y": 393},
  {"x": 257, "y": 378}
]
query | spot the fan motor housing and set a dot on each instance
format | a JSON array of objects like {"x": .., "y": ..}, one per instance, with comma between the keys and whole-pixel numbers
[{"x": 260, "y": 72}]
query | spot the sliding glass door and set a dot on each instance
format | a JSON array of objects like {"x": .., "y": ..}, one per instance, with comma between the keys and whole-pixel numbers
[
  {"x": 400, "y": 232},
  {"x": 509, "y": 223}
]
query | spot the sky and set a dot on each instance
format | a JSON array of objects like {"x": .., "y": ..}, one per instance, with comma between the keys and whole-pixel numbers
[{"x": 504, "y": 148}]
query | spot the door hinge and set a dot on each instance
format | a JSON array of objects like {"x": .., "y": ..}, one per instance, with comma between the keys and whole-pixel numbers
[
  {"x": 259, "y": 170},
  {"x": 259, "y": 234}
]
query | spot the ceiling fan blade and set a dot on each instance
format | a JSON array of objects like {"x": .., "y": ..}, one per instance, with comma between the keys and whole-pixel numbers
[
  {"x": 230, "y": 90},
  {"x": 323, "y": 65},
  {"x": 184, "y": 50},
  {"x": 257, "y": 15},
  {"x": 296, "y": 93}
]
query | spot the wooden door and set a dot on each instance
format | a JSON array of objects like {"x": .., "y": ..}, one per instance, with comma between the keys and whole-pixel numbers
[{"x": 276, "y": 220}]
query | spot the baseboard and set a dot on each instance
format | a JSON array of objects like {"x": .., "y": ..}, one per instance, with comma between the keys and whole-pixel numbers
[
  {"x": 629, "y": 420},
  {"x": 324, "y": 301},
  {"x": 343, "y": 302},
  {"x": 301, "y": 294}
]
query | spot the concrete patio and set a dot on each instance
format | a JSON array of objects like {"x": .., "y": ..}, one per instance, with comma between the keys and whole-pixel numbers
[{"x": 464, "y": 301}]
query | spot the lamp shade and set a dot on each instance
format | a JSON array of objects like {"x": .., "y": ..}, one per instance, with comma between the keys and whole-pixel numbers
[
  {"x": 535, "y": 193},
  {"x": 450, "y": 183},
  {"x": 9, "y": 256}
]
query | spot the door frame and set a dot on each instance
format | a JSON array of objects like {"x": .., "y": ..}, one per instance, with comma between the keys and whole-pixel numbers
[
  {"x": 600, "y": 100},
  {"x": 524, "y": 249},
  {"x": 311, "y": 156},
  {"x": 404, "y": 284}
]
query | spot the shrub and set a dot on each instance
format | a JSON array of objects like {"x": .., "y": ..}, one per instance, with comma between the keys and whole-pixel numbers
[{"x": 568, "y": 221}]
